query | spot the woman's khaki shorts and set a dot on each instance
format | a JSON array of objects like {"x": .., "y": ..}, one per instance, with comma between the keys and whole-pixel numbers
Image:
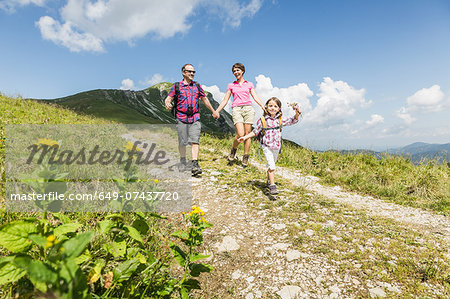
[{"x": 243, "y": 114}]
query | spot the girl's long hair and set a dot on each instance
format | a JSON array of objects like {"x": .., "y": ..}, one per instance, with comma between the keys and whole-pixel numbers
[{"x": 277, "y": 101}]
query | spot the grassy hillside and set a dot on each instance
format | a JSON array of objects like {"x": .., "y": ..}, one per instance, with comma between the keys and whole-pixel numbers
[
  {"x": 137, "y": 107},
  {"x": 94, "y": 103},
  {"x": 392, "y": 178},
  {"x": 76, "y": 255},
  {"x": 132, "y": 251},
  {"x": 19, "y": 111}
]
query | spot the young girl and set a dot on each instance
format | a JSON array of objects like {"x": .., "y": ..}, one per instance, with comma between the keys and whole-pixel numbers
[
  {"x": 271, "y": 142},
  {"x": 243, "y": 112}
]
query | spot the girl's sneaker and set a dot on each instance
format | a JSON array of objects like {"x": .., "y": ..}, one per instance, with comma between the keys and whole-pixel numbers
[
  {"x": 232, "y": 154},
  {"x": 273, "y": 189},
  {"x": 244, "y": 160}
]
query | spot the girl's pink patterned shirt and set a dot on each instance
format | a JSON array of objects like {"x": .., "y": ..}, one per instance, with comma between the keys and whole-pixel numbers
[{"x": 272, "y": 138}]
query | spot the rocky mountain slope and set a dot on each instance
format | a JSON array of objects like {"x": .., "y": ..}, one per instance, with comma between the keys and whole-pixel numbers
[{"x": 144, "y": 106}]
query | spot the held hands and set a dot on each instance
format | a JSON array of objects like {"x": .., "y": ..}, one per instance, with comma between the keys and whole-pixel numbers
[
  {"x": 215, "y": 114},
  {"x": 168, "y": 104}
]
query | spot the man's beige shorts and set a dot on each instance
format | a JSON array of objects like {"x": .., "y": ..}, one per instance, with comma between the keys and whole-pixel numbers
[{"x": 243, "y": 114}]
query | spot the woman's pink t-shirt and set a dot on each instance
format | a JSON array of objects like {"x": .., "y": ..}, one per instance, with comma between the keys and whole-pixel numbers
[{"x": 241, "y": 93}]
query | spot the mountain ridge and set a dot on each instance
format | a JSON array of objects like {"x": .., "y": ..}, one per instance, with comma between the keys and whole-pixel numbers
[{"x": 142, "y": 106}]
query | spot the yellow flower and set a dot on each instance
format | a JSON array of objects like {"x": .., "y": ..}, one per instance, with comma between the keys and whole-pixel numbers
[
  {"x": 156, "y": 181},
  {"x": 129, "y": 147},
  {"x": 93, "y": 277},
  {"x": 51, "y": 240},
  {"x": 203, "y": 219},
  {"x": 47, "y": 142}
]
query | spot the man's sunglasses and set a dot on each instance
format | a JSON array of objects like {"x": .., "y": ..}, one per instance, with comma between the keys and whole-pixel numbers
[{"x": 189, "y": 71}]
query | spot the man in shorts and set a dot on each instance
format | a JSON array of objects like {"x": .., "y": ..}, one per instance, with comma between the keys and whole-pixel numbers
[{"x": 187, "y": 114}]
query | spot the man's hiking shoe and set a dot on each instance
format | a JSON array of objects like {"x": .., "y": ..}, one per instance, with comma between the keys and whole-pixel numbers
[
  {"x": 244, "y": 160},
  {"x": 273, "y": 189},
  {"x": 231, "y": 155},
  {"x": 196, "y": 170},
  {"x": 267, "y": 183},
  {"x": 182, "y": 166}
]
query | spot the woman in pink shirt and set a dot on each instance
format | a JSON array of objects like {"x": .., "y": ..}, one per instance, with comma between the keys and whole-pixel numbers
[{"x": 242, "y": 110}]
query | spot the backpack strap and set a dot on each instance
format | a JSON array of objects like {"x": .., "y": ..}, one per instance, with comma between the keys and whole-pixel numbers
[
  {"x": 281, "y": 128},
  {"x": 175, "y": 99},
  {"x": 263, "y": 131},
  {"x": 198, "y": 90},
  {"x": 177, "y": 93}
]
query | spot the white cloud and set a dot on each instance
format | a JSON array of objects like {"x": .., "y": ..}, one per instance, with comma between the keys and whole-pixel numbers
[
  {"x": 405, "y": 116},
  {"x": 116, "y": 20},
  {"x": 216, "y": 93},
  {"x": 156, "y": 78},
  {"x": 299, "y": 93},
  {"x": 10, "y": 5},
  {"x": 375, "y": 119},
  {"x": 426, "y": 100},
  {"x": 337, "y": 102},
  {"x": 127, "y": 84},
  {"x": 66, "y": 36},
  {"x": 232, "y": 12}
]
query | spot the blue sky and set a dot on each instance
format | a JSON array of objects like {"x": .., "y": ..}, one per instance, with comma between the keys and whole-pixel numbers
[{"x": 372, "y": 74}]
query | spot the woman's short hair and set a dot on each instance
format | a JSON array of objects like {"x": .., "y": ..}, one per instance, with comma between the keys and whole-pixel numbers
[{"x": 239, "y": 66}]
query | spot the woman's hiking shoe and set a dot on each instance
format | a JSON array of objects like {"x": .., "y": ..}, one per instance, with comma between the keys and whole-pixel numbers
[
  {"x": 196, "y": 170},
  {"x": 244, "y": 160},
  {"x": 273, "y": 189},
  {"x": 231, "y": 155}
]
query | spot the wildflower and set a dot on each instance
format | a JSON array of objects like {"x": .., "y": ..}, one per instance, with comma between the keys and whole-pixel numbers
[
  {"x": 93, "y": 277},
  {"x": 196, "y": 210},
  {"x": 108, "y": 280},
  {"x": 129, "y": 147},
  {"x": 51, "y": 240},
  {"x": 156, "y": 181},
  {"x": 47, "y": 142},
  {"x": 203, "y": 219}
]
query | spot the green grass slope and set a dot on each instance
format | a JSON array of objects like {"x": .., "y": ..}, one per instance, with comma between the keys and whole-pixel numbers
[
  {"x": 392, "y": 178},
  {"x": 137, "y": 107},
  {"x": 95, "y": 104},
  {"x": 19, "y": 111}
]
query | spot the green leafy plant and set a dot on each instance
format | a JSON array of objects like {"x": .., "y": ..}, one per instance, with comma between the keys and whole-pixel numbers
[
  {"x": 187, "y": 258},
  {"x": 49, "y": 257}
]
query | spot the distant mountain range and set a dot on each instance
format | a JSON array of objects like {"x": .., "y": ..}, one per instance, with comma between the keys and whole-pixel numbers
[
  {"x": 417, "y": 151},
  {"x": 420, "y": 150},
  {"x": 138, "y": 107},
  {"x": 147, "y": 106}
]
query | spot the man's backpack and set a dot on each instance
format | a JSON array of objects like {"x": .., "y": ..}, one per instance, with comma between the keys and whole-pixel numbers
[
  {"x": 175, "y": 99},
  {"x": 264, "y": 129}
]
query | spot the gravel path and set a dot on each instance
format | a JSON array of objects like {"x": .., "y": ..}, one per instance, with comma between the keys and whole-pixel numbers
[{"x": 415, "y": 218}]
